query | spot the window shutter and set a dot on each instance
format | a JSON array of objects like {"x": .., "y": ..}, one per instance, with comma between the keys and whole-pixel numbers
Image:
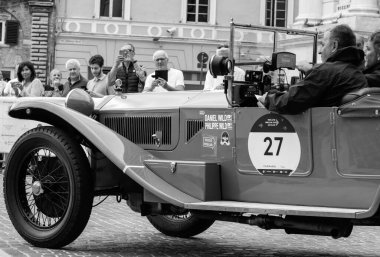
[{"x": 11, "y": 32}]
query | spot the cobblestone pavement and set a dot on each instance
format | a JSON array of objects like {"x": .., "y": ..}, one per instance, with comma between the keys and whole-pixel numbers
[{"x": 114, "y": 230}]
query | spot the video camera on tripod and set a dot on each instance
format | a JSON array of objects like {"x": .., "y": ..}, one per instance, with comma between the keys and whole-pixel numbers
[{"x": 257, "y": 82}]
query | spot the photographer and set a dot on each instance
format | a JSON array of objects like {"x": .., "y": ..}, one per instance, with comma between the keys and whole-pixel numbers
[
  {"x": 128, "y": 71},
  {"x": 164, "y": 78}
]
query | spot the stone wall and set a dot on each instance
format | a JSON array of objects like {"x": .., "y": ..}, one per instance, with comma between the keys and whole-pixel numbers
[{"x": 36, "y": 35}]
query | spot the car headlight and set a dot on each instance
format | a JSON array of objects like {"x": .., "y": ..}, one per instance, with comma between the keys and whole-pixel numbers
[
  {"x": 80, "y": 101},
  {"x": 219, "y": 66}
]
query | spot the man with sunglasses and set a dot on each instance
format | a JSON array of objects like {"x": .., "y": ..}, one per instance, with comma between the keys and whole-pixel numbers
[
  {"x": 212, "y": 83},
  {"x": 126, "y": 69}
]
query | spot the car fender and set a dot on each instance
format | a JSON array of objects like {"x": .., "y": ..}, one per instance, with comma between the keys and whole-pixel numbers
[{"x": 126, "y": 155}]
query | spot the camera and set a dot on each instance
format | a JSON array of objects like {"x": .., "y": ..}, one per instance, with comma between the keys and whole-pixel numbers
[
  {"x": 160, "y": 74},
  {"x": 124, "y": 53},
  {"x": 171, "y": 31}
]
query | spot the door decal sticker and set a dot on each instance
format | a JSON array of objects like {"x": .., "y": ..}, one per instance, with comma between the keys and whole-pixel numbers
[{"x": 274, "y": 146}]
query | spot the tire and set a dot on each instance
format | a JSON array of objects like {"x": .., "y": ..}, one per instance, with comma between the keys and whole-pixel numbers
[
  {"x": 184, "y": 226},
  {"x": 48, "y": 187}
]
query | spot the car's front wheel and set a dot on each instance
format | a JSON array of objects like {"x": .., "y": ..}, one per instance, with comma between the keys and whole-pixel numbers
[
  {"x": 48, "y": 187},
  {"x": 185, "y": 225}
]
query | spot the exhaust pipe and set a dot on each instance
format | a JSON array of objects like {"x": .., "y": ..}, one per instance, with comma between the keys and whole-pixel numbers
[{"x": 334, "y": 227}]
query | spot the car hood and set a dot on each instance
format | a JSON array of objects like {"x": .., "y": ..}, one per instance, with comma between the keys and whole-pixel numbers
[{"x": 166, "y": 100}]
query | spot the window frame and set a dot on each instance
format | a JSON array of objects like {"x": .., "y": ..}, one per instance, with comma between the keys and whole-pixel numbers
[
  {"x": 3, "y": 29},
  {"x": 98, "y": 6},
  {"x": 273, "y": 13},
  {"x": 197, "y": 5}
]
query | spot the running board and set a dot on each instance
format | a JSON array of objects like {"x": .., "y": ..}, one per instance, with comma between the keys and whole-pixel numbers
[{"x": 278, "y": 209}]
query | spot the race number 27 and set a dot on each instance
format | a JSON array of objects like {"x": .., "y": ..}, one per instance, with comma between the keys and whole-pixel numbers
[{"x": 269, "y": 141}]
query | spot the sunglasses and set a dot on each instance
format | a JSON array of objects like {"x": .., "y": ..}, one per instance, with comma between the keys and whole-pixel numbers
[
  {"x": 222, "y": 46},
  {"x": 160, "y": 59}
]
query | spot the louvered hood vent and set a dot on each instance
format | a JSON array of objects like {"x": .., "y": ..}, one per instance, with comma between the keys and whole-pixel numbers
[
  {"x": 139, "y": 129},
  {"x": 193, "y": 127}
]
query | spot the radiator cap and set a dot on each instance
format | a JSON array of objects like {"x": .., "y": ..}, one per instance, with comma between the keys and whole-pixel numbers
[{"x": 80, "y": 101}]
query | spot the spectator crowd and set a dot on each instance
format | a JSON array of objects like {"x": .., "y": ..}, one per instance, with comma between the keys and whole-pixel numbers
[{"x": 126, "y": 76}]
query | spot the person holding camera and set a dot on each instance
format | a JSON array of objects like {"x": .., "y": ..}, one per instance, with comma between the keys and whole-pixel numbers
[
  {"x": 55, "y": 87},
  {"x": 164, "y": 78},
  {"x": 126, "y": 69}
]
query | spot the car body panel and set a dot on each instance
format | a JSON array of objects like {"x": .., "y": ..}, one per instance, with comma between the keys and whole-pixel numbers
[{"x": 210, "y": 169}]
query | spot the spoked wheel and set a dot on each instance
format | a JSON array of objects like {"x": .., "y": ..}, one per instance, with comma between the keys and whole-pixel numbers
[
  {"x": 184, "y": 225},
  {"x": 48, "y": 187}
]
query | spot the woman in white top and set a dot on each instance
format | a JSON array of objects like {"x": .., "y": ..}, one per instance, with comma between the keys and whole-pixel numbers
[{"x": 29, "y": 85}]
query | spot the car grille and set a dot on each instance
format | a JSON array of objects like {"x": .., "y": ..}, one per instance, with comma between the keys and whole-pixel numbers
[
  {"x": 140, "y": 129},
  {"x": 193, "y": 127}
]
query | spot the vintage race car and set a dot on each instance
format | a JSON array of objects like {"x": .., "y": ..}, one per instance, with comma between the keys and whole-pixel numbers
[{"x": 186, "y": 159}]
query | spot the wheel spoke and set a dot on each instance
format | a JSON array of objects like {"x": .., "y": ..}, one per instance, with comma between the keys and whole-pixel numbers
[
  {"x": 58, "y": 207},
  {"x": 59, "y": 195},
  {"x": 51, "y": 172}
]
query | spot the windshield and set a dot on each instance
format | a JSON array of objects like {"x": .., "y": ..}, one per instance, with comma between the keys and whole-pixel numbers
[{"x": 256, "y": 44}]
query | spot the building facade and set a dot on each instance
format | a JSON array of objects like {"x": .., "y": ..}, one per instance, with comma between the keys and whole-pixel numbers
[{"x": 184, "y": 28}]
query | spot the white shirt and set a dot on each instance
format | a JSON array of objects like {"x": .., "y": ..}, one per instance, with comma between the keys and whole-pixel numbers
[
  {"x": 175, "y": 78},
  {"x": 2, "y": 86},
  {"x": 212, "y": 83}
]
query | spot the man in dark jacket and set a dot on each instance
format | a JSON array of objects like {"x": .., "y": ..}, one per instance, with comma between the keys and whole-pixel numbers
[
  {"x": 126, "y": 69},
  {"x": 75, "y": 80},
  {"x": 326, "y": 83}
]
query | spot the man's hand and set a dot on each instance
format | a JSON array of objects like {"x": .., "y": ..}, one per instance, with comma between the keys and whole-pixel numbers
[
  {"x": 155, "y": 84},
  {"x": 119, "y": 59},
  {"x": 261, "y": 100},
  {"x": 304, "y": 66},
  {"x": 140, "y": 71},
  {"x": 162, "y": 83}
]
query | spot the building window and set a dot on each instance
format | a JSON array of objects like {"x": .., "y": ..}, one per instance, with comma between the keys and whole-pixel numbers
[
  {"x": 275, "y": 13},
  {"x": 197, "y": 10},
  {"x": 111, "y": 8},
  {"x": 2, "y": 32}
]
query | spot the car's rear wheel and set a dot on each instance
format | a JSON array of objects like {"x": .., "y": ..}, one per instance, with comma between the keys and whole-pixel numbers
[
  {"x": 48, "y": 187},
  {"x": 184, "y": 225}
]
